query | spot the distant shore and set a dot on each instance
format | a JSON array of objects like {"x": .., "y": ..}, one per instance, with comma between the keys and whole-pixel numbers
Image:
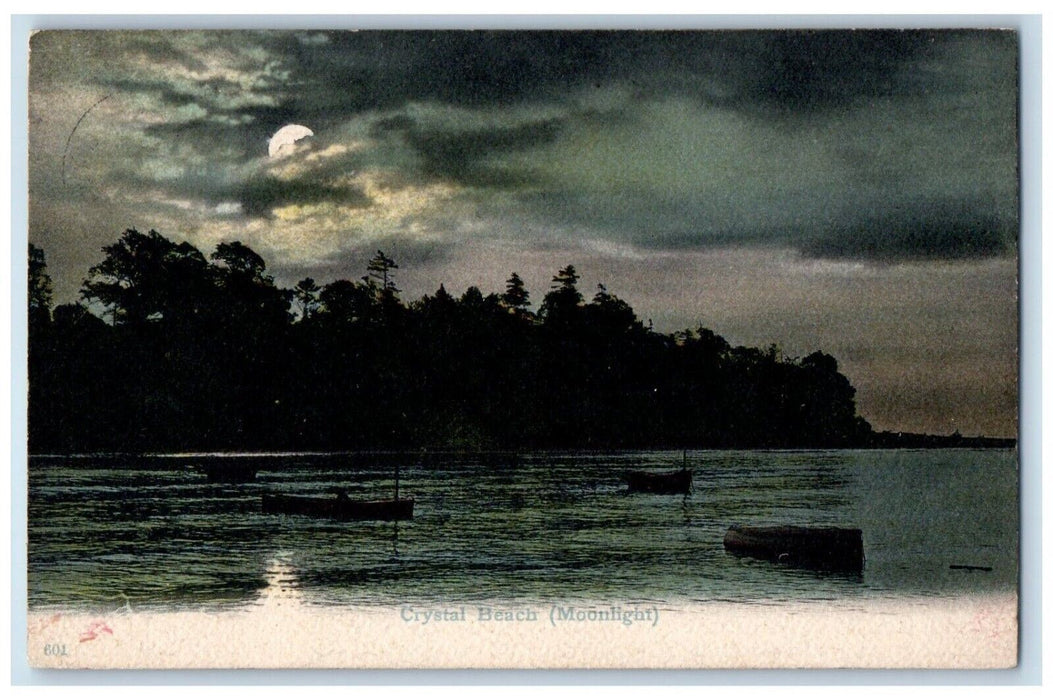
[
  {"x": 882, "y": 440},
  {"x": 920, "y": 440}
]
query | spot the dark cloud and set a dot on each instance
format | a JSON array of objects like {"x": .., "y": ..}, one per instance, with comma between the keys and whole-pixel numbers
[
  {"x": 949, "y": 230},
  {"x": 384, "y": 69},
  {"x": 258, "y": 196},
  {"x": 884, "y": 232},
  {"x": 163, "y": 89},
  {"x": 156, "y": 47},
  {"x": 803, "y": 71},
  {"x": 757, "y": 71},
  {"x": 461, "y": 155},
  {"x": 213, "y": 94}
]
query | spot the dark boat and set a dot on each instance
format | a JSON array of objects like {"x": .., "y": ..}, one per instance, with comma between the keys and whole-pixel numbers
[
  {"x": 823, "y": 548},
  {"x": 669, "y": 482},
  {"x": 338, "y": 507}
]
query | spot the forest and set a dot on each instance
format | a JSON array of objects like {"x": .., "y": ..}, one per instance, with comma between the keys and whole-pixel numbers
[{"x": 172, "y": 350}]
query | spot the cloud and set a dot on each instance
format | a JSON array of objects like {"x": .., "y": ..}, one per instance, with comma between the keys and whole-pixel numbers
[
  {"x": 260, "y": 196},
  {"x": 471, "y": 156},
  {"x": 947, "y": 230},
  {"x": 229, "y": 208}
]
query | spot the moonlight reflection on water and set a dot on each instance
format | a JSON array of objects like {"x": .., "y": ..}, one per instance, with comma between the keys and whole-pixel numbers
[{"x": 156, "y": 534}]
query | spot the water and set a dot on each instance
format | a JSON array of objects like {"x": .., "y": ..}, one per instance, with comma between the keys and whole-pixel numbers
[{"x": 153, "y": 533}]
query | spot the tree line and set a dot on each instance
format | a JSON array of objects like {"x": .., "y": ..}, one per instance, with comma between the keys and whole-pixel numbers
[{"x": 171, "y": 350}]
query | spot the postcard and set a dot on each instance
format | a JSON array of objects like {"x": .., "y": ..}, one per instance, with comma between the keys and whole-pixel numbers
[{"x": 523, "y": 349}]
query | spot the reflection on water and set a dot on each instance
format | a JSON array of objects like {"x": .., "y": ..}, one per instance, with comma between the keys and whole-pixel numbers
[
  {"x": 282, "y": 588},
  {"x": 156, "y": 532}
]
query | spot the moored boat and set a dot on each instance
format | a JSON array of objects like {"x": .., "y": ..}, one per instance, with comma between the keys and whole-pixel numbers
[
  {"x": 668, "y": 482},
  {"x": 824, "y": 548},
  {"x": 338, "y": 507}
]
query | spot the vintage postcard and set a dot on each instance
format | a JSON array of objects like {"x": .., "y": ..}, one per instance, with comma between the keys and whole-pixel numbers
[{"x": 523, "y": 349}]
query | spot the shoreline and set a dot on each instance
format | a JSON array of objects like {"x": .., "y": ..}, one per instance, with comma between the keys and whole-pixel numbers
[
  {"x": 281, "y": 630},
  {"x": 1002, "y": 444}
]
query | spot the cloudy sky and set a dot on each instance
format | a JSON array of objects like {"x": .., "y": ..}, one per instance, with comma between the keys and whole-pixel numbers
[{"x": 854, "y": 192}]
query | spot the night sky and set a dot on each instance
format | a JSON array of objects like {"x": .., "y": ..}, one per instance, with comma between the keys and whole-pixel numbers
[{"x": 854, "y": 192}]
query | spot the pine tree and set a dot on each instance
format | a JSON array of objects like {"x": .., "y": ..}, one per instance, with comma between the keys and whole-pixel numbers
[
  {"x": 561, "y": 304},
  {"x": 39, "y": 287},
  {"x": 306, "y": 292},
  {"x": 516, "y": 295},
  {"x": 380, "y": 268}
]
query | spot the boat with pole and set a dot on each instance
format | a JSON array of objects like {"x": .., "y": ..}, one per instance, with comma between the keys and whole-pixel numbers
[
  {"x": 676, "y": 482},
  {"x": 340, "y": 506}
]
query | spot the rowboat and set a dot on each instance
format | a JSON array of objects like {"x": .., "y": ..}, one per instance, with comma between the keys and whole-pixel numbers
[
  {"x": 669, "y": 482},
  {"x": 824, "y": 548},
  {"x": 338, "y": 507}
]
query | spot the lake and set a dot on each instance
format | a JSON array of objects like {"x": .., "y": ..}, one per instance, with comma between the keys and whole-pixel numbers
[{"x": 153, "y": 533}]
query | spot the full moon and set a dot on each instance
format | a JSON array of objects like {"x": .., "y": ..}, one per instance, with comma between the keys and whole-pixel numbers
[{"x": 286, "y": 136}]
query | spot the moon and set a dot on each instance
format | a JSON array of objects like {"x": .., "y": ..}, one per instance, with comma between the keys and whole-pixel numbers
[{"x": 286, "y": 136}]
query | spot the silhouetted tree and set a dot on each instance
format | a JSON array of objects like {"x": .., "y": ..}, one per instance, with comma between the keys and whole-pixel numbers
[
  {"x": 306, "y": 292},
  {"x": 249, "y": 298},
  {"x": 711, "y": 344},
  {"x": 562, "y": 302},
  {"x": 379, "y": 268},
  {"x": 146, "y": 277},
  {"x": 442, "y": 296},
  {"x": 516, "y": 296},
  {"x": 242, "y": 261},
  {"x": 609, "y": 314},
  {"x": 345, "y": 302},
  {"x": 39, "y": 294},
  {"x": 472, "y": 298},
  {"x": 71, "y": 316}
]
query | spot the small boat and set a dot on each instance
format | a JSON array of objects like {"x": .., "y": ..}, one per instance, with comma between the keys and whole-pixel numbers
[
  {"x": 339, "y": 507},
  {"x": 823, "y": 548},
  {"x": 669, "y": 482}
]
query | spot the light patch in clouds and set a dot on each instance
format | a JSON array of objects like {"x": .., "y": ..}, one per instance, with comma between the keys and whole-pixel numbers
[
  {"x": 314, "y": 234},
  {"x": 228, "y": 208},
  {"x": 304, "y": 163}
]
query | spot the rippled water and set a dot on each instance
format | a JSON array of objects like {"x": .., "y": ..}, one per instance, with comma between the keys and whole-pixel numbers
[{"x": 104, "y": 532}]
